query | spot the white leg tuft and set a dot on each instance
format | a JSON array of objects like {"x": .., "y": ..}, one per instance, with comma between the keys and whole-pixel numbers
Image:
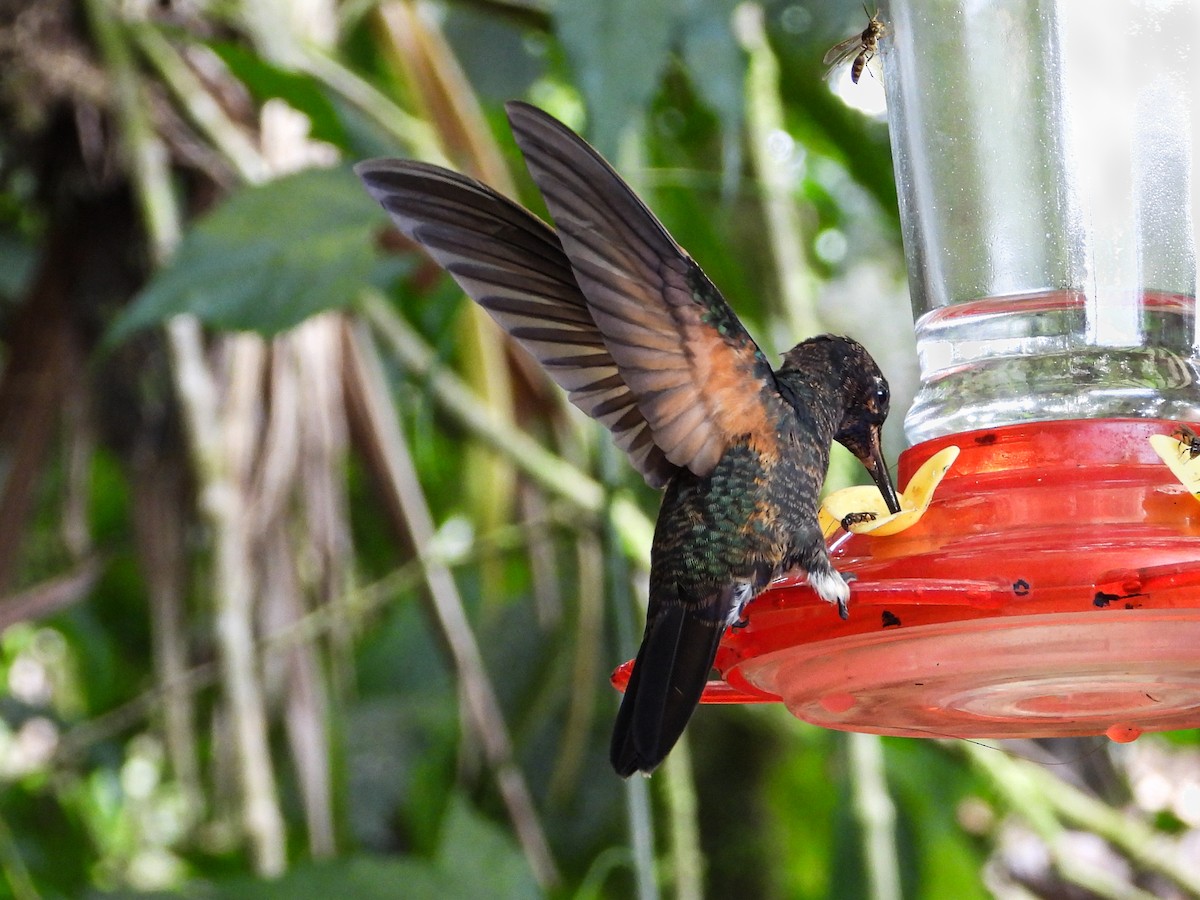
[
  {"x": 830, "y": 586},
  {"x": 743, "y": 593}
]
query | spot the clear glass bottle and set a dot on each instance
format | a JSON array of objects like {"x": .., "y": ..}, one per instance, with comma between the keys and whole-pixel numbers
[{"x": 1046, "y": 155}]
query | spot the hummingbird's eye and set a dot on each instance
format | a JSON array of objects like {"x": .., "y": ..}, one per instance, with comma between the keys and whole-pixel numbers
[{"x": 881, "y": 397}]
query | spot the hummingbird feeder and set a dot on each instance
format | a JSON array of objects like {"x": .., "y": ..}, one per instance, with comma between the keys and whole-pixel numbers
[{"x": 1048, "y": 164}]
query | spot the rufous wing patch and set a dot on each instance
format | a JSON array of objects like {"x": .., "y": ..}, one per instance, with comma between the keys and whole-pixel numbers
[{"x": 695, "y": 374}]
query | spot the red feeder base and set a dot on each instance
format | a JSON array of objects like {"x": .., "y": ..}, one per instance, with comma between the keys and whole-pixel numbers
[{"x": 1051, "y": 589}]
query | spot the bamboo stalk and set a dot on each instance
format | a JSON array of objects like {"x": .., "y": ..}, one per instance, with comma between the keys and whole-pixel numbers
[
  {"x": 585, "y": 669},
  {"x": 687, "y": 860},
  {"x": 766, "y": 131},
  {"x": 406, "y": 500},
  {"x": 220, "y": 495},
  {"x": 639, "y": 815},
  {"x": 158, "y": 525},
  {"x": 286, "y": 467},
  {"x": 199, "y": 105},
  {"x": 443, "y": 90},
  {"x": 765, "y": 127},
  {"x": 629, "y": 526},
  {"x": 278, "y": 470},
  {"x": 414, "y": 45},
  {"x": 317, "y": 346},
  {"x": 306, "y": 704},
  {"x": 215, "y": 454},
  {"x": 351, "y": 608},
  {"x": 52, "y": 595},
  {"x": 876, "y": 815},
  {"x": 1046, "y": 801},
  {"x": 417, "y": 137}
]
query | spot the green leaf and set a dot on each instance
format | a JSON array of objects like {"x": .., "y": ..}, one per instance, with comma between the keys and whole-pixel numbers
[
  {"x": 267, "y": 258},
  {"x": 362, "y": 877},
  {"x": 716, "y": 65},
  {"x": 476, "y": 859},
  {"x": 481, "y": 858},
  {"x": 928, "y": 785},
  {"x": 714, "y": 61},
  {"x": 618, "y": 50},
  {"x": 299, "y": 91},
  {"x": 17, "y": 260}
]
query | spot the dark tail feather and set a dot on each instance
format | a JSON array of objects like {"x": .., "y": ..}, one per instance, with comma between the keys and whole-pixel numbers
[{"x": 668, "y": 677}]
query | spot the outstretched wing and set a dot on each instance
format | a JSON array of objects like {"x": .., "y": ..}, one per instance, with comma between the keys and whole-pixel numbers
[
  {"x": 698, "y": 378},
  {"x": 511, "y": 263}
]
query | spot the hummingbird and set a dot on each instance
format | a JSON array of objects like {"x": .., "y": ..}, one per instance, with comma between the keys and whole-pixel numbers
[{"x": 626, "y": 322}]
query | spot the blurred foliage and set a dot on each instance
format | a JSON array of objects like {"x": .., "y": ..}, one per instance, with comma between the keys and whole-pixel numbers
[
  {"x": 266, "y": 259},
  {"x": 157, "y": 499}
]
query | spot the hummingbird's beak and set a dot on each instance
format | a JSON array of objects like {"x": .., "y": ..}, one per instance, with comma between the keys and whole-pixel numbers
[{"x": 878, "y": 470}]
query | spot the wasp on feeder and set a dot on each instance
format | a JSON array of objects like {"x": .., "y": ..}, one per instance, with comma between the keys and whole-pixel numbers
[
  {"x": 861, "y": 46},
  {"x": 1189, "y": 440}
]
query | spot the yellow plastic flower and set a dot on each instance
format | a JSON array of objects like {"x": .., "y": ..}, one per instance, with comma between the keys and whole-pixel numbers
[
  {"x": 1181, "y": 458},
  {"x": 866, "y": 502}
]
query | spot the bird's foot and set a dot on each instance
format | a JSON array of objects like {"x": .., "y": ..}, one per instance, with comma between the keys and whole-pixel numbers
[{"x": 832, "y": 587}]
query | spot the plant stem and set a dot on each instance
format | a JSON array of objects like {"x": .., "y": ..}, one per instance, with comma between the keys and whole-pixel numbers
[
  {"x": 639, "y": 815},
  {"x": 13, "y": 866},
  {"x": 1046, "y": 801},
  {"x": 774, "y": 165},
  {"x": 876, "y": 815},
  {"x": 406, "y": 501},
  {"x": 416, "y": 136},
  {"x": 687, "y": 859},
  {"x": 220, "y": 495},
  {"x": 199, "y": 105},
  {"x": 349, "y": 610}
]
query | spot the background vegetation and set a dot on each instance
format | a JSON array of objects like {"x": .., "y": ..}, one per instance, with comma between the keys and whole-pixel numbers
[{"x": 311, "y": 586}]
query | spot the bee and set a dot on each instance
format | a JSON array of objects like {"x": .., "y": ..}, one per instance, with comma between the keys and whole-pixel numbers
[
  {"x": 856, "y": 518},
  {"x": 861, "y": 46},
  {"x": 1190, "y": 440}
]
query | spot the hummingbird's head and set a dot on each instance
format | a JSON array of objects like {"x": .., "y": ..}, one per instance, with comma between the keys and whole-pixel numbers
[{"x": 865, "y": 401}]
